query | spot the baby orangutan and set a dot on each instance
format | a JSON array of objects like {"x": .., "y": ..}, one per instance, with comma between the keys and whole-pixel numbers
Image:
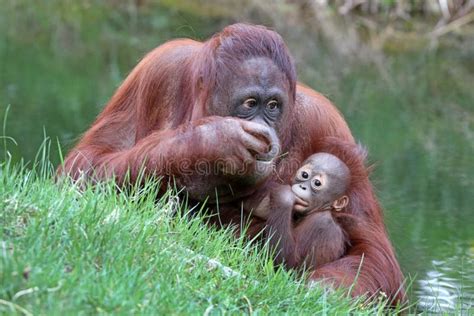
[{"x": 300, "y": 224}]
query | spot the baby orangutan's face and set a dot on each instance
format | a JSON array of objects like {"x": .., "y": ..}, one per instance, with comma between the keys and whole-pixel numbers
[{"x": 321, "y": 184}]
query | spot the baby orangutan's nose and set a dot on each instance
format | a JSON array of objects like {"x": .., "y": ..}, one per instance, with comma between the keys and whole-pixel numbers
[{"x": 303, "y": 187}]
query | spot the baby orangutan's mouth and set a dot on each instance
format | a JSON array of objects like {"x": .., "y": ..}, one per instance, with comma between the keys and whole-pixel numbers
[{"x": 300, "y": 205}]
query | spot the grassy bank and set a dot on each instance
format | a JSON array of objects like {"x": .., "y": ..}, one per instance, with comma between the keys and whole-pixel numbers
[{"x": 99, "y": 251}]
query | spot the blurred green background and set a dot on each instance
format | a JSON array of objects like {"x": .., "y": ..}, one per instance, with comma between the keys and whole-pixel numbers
[{"x": 401, "y": 72}]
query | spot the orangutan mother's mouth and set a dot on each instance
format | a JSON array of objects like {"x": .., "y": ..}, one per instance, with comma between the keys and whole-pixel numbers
[{"x": 267, "y": 161}]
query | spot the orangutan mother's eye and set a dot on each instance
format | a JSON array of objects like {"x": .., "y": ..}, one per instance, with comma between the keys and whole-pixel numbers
[
  {"x": 250, "y": 103},
  {"x": 272, "y": 105}
]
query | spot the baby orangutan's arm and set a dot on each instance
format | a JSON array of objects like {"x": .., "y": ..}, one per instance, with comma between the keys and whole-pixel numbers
[
  {"x": 280, "y": 230},
  {"x": 314, "y": 241}
]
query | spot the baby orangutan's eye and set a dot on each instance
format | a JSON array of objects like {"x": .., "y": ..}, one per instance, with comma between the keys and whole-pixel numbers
[
  {"x": 317, "y": 183},
  {"x": 303, "y": 174}
]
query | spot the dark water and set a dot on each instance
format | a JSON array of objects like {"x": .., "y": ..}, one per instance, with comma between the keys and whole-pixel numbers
[
  {"x": 419, "y": 130},
  {"x": 414, "y": 111}
]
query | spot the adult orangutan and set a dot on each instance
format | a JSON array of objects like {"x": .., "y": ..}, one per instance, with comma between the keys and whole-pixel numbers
[{"x": 229, "y": 102}]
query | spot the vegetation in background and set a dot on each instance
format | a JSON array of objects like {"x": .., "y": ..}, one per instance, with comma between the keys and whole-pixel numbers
[{"x": 406, "y": 93}]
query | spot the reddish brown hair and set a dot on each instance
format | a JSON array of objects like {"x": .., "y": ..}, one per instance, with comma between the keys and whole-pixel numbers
[
  {"x": 233, "y": 45},
  {"x": 361, "y": 200},
  {"x": 363, "y": 223}
]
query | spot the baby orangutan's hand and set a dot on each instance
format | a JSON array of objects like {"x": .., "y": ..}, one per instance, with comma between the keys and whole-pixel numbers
[
  {"x": 279, "y": 196},
  {"x": 262, "y": 210}
]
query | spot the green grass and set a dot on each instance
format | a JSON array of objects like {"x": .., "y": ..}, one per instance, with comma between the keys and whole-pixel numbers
[{"x": 98, "y": 250}]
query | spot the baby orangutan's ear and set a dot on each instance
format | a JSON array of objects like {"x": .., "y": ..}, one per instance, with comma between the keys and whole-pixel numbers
[{"x": 340, "y": 203}]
